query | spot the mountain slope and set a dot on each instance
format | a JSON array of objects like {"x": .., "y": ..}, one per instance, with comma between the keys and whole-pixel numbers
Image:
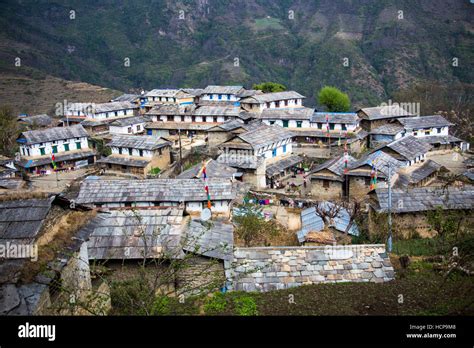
[{"x": 198, "y": 42}]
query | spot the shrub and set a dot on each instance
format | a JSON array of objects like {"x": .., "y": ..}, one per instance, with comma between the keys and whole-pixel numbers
[
  {"x": 215, "y": 304},
  {"x": 245, "y": 305}
]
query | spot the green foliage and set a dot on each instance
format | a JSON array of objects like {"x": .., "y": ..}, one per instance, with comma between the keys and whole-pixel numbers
[
  {"x": 216, "y": 304},
  {"x": 102, "y": 149},
  {"x": 155, "y": 171},
  {"x": 267, "y": 87},
  {"x": 245, "y": 305},
  {"x": 251, "y": 226},
  {"x": 334, "y": 99},
  {"x": 10, "y": 130},
  {"x": 161, "y": 306}
]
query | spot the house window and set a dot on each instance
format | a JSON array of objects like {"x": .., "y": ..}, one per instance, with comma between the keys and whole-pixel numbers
[
  {"x": 211, "y": 96},
  {"x": 272, "y": 122},
  {"x": 42, "y": 152},
  {"x": 331, "y": 126},
  {"x": 286, "y": 102},
  {"x": 320, "y": 126},
  {"x": 367, "y": 181},
  {"x": 116, "y": 113},
  {"x": 141, "y": 153},
  {"x": 415, "y": 134},
  {"x": 228, "y": 96},
  {"x": 130, "y": 151},
  {"x": 55, "y": 149},
  {"x": 138, "y": 128},
  {"x": 326, "y": 183},
  {"x": 299, "y": 124},
  {"x": 219, "y": 96},
  {"x": 129, "y": 129},
  {"x": 66, "y": 147},
  {"x": 438, "y": 130},
  {"x": 78, "y": 146},
  {"x": 285, "y": 123},
  {"x": 284, "y": 148},
  {"x": 268, "y": 105},
  {"x": 274, "y": 152},
  {"x": 120, "y": 150},
  {"x": 427, "y": 132},
  {"x": 343, "y": 127},
  {"x": 149, "y": 132}
]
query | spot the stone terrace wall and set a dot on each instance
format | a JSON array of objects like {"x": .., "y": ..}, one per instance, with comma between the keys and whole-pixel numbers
[{"x": 272, "y": 268}]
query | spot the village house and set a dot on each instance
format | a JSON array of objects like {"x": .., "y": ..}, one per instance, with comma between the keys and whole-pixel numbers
[
  {"x": 37, "y": 121},
  {"x": 113, "y": 110},
  {"x": 421, "y": 175},
  {"x": 171, "y": 113},
  {"x": 328, "y": 180},
  {"x": 374, "y": 117},
  {"x": 173, "y": 129},
  {"x": 168, "y": 96},
  {"x": 270, "y": 143},
  {"x": 288, "y": 117},
  {"x": 409, "y": 207},
  {"x": 282, "y": 169},
  {"x": 7, "y": 167},
  {"x": 126, "y": 97},
  {"x": 370, "y": 172},
  {"x": 69, "y": 145},
  {"x": 225, "y": 131},
  {"x": 409, "y": 150},
  {"x": 219, "y": 94},
  {"x": 129, "y": 125},
  {"x": 188, "y": 193},
  {"x": 258, "y": 102},
  {"x": 386, "y": 134},
  {"x": 137, "y": 155}
]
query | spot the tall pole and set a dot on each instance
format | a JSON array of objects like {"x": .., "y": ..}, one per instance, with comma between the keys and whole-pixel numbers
[
  {"x": 389, "y": 241},
  {"x": 180, "y": 153}
]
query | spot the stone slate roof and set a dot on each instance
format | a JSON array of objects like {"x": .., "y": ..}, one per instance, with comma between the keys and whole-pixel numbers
[
  {"x": 383, "y": 112},
  {"x": 428, "y": 168},
  {"x": 21, "y": 220},
  {"x": 388, "y": 129},
  {"x": 271, "y": 97},
  {"x": 409, "y": 147},
  {"x": 264, "y": 135},
  {"x": 421, "y": 199},
  {"x": 125, "y": 161},
  {"x": 201, "y": 126},
  {"x": 142, "y": 142},
  {"x": 228, "y": 126},
  {"x": 171, "y": 110},
  {"x": 153, "y": 190},
  {"x": 11, "y": 183},
  {"x": 335, "y": 117},
  {"x": 335, "y": 165},
  {"x": 212, "y": 89},
  {"x": 424, "y": 122},
  {"x": 42, "y": 120},
  {"x": 134, "y": 234},
  {"x": 380, "y": 159},
  {"x": 59, "y": 157},
  {"x": 52, "y": 134},
  {"x": 469, "y": 174},
  {"x": 128, "y": 121},
  {"x": 287, "y": 114},
  {"x": 217, "y": 110},
  {"x": 214, "y": 169},
  {"x": 126, "y": 98},
  {"x": 440, "y": 139},
  {"x": 113, "y": 106},
  {"x": 197, "y": 92},
  {"x": 167, "y": 92},
  {"x": 285, "y": 163},
  {"x": 212, "y": 239}
]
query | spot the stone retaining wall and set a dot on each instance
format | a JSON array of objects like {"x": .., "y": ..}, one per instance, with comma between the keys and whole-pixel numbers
[{"x": 272, "y": 268}]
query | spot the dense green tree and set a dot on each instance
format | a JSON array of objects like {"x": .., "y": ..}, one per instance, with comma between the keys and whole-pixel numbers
[
  {"x": 267, "y": 87},
  {"x": 334, "y": 99}
]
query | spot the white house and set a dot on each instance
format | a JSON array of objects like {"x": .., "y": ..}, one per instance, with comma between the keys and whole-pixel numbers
[
  {"x": 288, "y": 117},
  {"x": 112, "y": 110},
  {"x": 69, "y": 145},
  {"x": 222, "y": 93},
  {"x": 338, "y": 121},
  {"x": 168, "y": 96},
  {"x": 259, "y": 102},
  {"x": 129, "y": 125}
]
